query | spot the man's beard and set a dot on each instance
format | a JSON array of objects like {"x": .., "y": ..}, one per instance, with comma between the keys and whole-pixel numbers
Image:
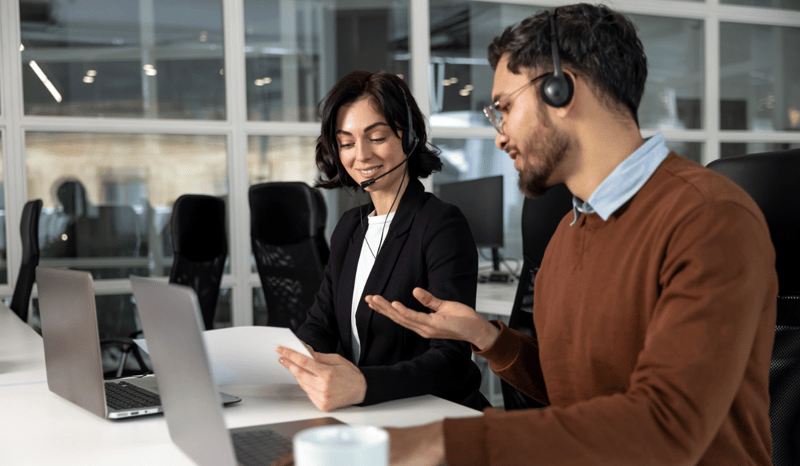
[{"x": 533, "y": 181}]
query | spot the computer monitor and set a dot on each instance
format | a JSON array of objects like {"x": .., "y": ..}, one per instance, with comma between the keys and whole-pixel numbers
[{"x": 481, "y": 202}]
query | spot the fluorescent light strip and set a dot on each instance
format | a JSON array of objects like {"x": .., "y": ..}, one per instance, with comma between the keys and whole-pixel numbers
[{"x": 50, "y": 87}]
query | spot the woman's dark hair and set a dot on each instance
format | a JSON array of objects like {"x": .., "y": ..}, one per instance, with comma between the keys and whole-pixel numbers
[
  {"x": 595, "y": 42},
  {"x": 389, "y": 94}
]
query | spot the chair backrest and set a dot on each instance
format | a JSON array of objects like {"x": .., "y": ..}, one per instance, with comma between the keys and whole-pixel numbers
[
  {"x": 773, "y": 180},
  {"x": 287, "y": 226},
  {"x": 200, "y": 246},
  {"x": 29, "y": 231},
  {"x": 540, "y": 218}
]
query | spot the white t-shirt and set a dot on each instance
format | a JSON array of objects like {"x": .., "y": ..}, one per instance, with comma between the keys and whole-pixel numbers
[{"x": 376, "y": 233}]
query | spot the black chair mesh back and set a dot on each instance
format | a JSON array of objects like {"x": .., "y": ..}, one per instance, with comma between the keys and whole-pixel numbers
[
  {"x": 772, "y": 181},
  {"x": 540, "y": 218},
  {"x": 287, "y": 225},
  {"x": 200, "y": 245},
  {"x": 29, "y": 231}
]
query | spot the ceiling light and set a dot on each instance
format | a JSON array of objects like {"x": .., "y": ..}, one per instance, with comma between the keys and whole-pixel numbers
[{"x": 42, "y": 77}]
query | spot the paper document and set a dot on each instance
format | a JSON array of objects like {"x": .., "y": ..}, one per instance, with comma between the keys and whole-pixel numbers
[{"x": 246, "y": 355}]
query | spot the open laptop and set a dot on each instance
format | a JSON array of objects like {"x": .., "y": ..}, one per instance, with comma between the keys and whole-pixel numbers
[
  {"x": 170, "y": 316},
  {"x": 72, "y": 351}
]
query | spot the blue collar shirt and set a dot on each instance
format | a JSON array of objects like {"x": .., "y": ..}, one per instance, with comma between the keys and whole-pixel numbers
[{"x": 625, "y": 181}]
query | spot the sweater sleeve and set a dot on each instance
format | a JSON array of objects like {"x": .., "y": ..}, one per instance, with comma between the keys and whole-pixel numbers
[
  {"x": 716, "y": 309},
  {"x": 514, "y": 356}
]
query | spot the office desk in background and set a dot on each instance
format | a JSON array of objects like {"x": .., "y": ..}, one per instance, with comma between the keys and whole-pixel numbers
[
  {"x": 496, "y": 299},
  {"x": 38, "y": 427}
]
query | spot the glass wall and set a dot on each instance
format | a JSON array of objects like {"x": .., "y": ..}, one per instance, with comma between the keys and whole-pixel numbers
[
  {"x": 296, "y": 50},
  {"x": 107, "y": 197},
  {"x": 151, "y": 59}
]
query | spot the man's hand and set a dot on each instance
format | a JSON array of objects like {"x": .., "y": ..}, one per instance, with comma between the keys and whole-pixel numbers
[
  {"x": 449, "y": 319},
  {"x": 417, "y": 446},
  {"x": 329, "y": 380}
]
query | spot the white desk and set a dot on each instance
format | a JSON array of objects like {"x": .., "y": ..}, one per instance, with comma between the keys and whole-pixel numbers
[
  {"x": 38, "y": 427},
  {"x": 21, "y": 351},
  {"x": 495, "y": 299}
]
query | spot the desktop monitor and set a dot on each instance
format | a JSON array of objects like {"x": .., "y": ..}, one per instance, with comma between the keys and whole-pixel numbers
[{"x": 481, "y": 202}]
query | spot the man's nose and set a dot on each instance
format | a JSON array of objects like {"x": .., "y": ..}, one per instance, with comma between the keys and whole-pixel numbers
[{"x": 501, "y": 140}]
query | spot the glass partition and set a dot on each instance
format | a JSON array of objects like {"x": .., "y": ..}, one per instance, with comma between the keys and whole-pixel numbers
[
  {"x": 296, "y": 50},
  {"x": 759, "y": 77},
  {"x": 732, "y": 149},
  {"x": 120, "y": 58},
  {"x": 462, "y": 79},
  {"x": 787, "y": 4},
  {"x": 108, "y": 197}
]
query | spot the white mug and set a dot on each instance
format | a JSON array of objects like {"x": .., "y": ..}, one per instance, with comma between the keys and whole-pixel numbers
[{"x": 343, "y": 445}]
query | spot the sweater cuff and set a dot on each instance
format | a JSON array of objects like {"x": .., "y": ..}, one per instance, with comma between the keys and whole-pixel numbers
[
  {"x": 465, "y": 441},
  {"x": 502, "y": 352}
]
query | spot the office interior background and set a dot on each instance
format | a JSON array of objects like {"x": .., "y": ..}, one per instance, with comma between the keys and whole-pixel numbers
[{"x": 135, "y": 102}]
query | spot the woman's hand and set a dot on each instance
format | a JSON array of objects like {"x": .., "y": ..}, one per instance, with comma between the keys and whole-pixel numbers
[{"x": 329, "y": 380}]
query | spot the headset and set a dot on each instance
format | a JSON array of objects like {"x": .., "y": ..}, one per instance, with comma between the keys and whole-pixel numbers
[
  {"x": 557, "y": 88},
  {"x": 409, "y": 142}
]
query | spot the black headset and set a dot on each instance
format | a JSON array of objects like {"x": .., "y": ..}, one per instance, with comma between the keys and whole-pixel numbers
[{"x": 557, "y": 87}]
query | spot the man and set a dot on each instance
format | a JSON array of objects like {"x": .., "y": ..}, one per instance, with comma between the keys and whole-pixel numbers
[{"x": 655, "y": 303}]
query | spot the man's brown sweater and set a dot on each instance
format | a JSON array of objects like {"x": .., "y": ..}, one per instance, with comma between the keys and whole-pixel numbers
[{"x": 655, "y": 332}]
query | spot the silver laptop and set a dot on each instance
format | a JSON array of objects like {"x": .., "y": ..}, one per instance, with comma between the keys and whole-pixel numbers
[
  {"x": 170, "y": 316},
  {"x": 72, "y": 351}
]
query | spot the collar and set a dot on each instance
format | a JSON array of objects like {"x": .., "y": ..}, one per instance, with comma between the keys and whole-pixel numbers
[{"x": 625, "y": 181}]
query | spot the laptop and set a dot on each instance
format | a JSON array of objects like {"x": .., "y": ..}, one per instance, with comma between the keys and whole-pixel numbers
[
  {"x": 170, "y": 316},
  {"x": 72, "y": 351}
]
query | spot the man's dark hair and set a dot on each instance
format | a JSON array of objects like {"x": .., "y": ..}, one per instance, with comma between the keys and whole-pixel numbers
[
  {"x": 389, "y": 94},
  {"x": 594, "y": 42}
]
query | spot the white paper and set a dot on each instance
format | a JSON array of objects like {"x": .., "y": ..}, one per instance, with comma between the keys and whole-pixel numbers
[{"x": 246, "y": 355}]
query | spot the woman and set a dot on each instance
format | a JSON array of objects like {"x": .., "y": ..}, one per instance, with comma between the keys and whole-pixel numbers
[{"x": 374, "y": 137}]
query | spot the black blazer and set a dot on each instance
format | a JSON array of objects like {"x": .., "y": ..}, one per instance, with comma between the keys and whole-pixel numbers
[{"x": 428, "y": 244}]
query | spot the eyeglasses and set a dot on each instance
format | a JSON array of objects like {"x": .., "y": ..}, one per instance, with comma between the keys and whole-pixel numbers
[{"x": 492, "y": 112}]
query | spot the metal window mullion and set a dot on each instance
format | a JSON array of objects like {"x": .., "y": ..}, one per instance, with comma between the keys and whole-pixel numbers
[
  {"x": 239, "y": 215},
  {"x": 711, "y": 120},
  {"x": 15, "y": 182}
]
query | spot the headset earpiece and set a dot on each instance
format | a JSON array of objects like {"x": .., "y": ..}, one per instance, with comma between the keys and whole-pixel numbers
[
  {"x": 557, "y": 88},
  {"x": 410, "y": 139}
]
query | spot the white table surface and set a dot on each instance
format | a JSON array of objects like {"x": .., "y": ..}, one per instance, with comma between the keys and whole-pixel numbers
[
  {"x": 38, "y": 427},
  {"x": 21, "y": 351},
  {"x": 495, "y": 298}
]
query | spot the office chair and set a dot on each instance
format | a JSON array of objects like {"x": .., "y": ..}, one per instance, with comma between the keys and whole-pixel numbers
[
  {"x": 29, "y": 231},
  {"x": 771, "y": 179},
  {"x": 200, "y": 246},
  {"x": 287, "y": 232},
  {"x": 540, "y": 218}
]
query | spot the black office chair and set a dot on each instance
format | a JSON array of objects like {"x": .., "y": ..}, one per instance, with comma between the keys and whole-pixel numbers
[
  {"x": 772, "y": 180},
  {"x": 200, "y": 245},
  {"x": 29, "y": 231},
  {"x": 540, "y": 218},
  {"x": 287, "y": 228}
]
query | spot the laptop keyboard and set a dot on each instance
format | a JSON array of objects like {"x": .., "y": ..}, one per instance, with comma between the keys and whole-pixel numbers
[
  {"x": 124, "y": 395},
  {"x": 258, "y": 447}
]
